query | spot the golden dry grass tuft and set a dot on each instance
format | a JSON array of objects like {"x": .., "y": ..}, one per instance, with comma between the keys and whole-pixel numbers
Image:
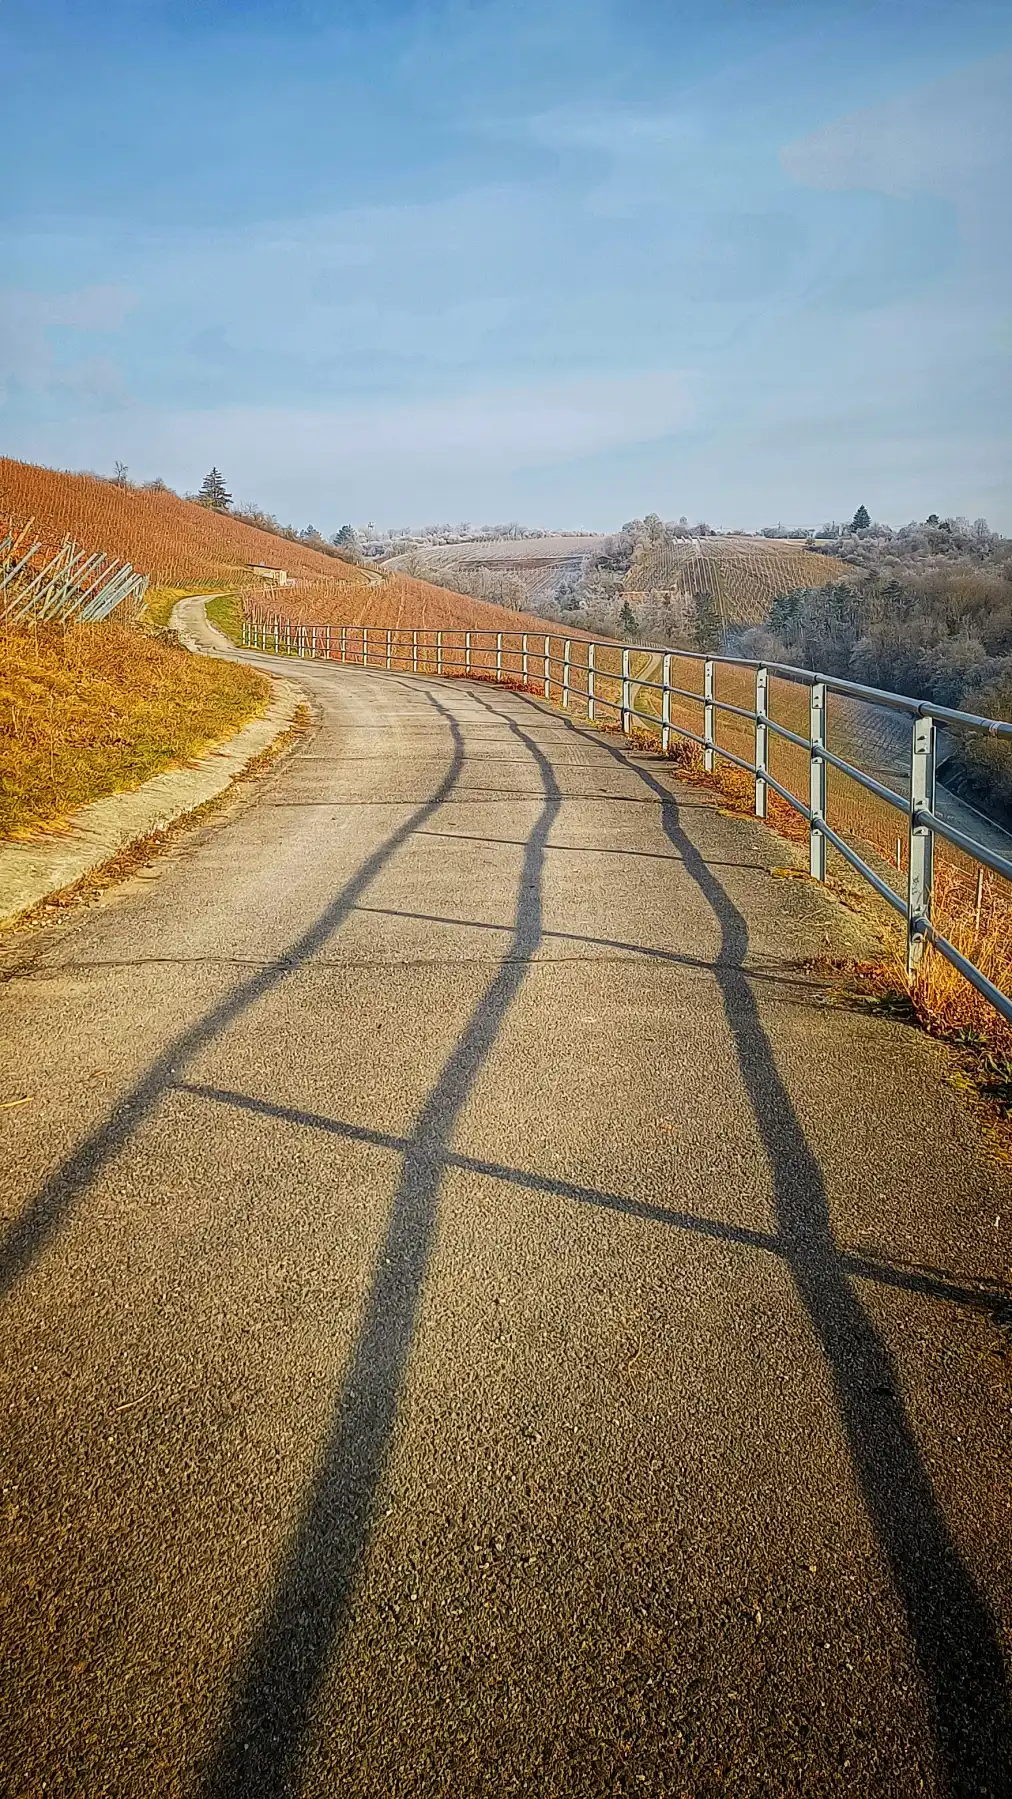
[
  {"x": 981, "y": 930},
  {"x": 94, "y": 709}
]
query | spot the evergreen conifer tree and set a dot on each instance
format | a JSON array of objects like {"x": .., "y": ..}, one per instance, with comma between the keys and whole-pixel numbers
[
  {"x": 861, "y": 519},
  {"x": 707, "y": 626},
  {"x": 213, "y": 492}
]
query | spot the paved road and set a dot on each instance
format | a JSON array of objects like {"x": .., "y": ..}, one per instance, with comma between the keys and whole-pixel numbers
[{"x": 474, "y": 1321}]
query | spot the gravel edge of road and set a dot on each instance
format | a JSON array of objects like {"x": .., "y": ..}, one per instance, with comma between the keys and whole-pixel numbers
[{"x": 42, "y": 867}]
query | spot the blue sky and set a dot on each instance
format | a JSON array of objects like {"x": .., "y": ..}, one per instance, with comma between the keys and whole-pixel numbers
[{"x": 566, "y": 261}]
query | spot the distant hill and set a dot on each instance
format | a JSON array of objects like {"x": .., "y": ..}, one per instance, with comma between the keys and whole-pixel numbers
[
  {"x": 518, "y": 572},
  {"x": 742, "y": 575},
  {"x": 664, "y": 578}
]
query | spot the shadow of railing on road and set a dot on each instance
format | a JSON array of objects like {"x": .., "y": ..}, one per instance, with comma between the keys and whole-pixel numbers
[
  {"x": 271, "y": 1714},
  {"x": 989, "y": 1299},
  {"x": 951, "y": 1626},
  {"x": 34, "y": 1227}
]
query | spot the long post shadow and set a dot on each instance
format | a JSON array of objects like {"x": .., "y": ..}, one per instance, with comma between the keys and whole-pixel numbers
[
  {"x": 951, "y": 1626},
  {"x": 271, "y": 1714},
  {"x": 37, "y": 1224}
]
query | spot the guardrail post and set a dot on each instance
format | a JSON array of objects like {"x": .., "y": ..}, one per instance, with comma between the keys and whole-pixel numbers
[
  {"x": 921, "y": 841},
  {"x": 708, "y": 716},
  {"x": 523, "y": 658},
  {"x": 467, "y": 652},
  {"x": 277, "y": 635},
  {"x": 548, "y": 668},
  {"x": 313, "y": 649},
  {"x": 414, "y": 652},
  {"x": 327, "y": 649},
  {"x": 439, "y": 652},
  {"x": 365, "y": 646},
  {"x": 245, "y": 638},
  {"x": 498, "y": 655},
  {"x": 567, "y": 646},
  {"x": 626, "y": 693},
  {"x": 762, "y": 734},
  {"x": 666, "y": 704},
  {"x": 817, "y": 781},
  {"x": 389, "y": 647},
  {"x": 591, "y": 694}
]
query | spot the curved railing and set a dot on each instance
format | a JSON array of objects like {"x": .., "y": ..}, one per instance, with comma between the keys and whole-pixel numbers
[{"x": 635, "y": 686}]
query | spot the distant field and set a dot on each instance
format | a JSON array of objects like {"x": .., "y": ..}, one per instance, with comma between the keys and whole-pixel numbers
[
  {"x": 503, "y": 552},
  {"x": 537, "y": 563},
  {"x": 743, "y": 575}
]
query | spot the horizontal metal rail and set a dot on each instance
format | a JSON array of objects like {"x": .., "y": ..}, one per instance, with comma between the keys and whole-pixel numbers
[{"x": 599, "y": 673}]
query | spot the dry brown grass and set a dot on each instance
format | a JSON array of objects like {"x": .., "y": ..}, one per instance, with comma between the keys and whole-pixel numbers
[
  {"x": 941, "y": 996},
  {"x": 97, "y": 708}
]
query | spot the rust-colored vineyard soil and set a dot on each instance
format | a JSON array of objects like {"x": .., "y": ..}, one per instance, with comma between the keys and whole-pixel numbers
[
  {"x": 396, "y": 602},
  {"x": 183, "y": 546},
  {"x": 174, "y": 541}
]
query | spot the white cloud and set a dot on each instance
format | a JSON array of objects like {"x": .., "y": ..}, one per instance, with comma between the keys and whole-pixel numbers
[
  {"x": 312, "y": 454},
  {"x": 952, "y": 138},
  {"x": 26, "y": 358},
  {"x": 99, "y": 308}
]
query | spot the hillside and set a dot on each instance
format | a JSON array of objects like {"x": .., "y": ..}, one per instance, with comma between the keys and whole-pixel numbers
[
  {"x": 518, "y": 572},
  {"x": 172, "y": 540},
  {"x": 401, "y": 602},
  {"x": 178, "y": 543},
  {"x": 741, "y": 575},
  {"x": 669, "y": 581}
]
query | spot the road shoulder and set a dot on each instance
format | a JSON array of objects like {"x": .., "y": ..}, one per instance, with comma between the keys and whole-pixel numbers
[{"x": 38, "y": 868}]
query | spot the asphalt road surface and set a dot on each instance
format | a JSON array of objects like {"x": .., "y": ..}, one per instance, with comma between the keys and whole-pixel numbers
[{"x": 475, "y": 1320}]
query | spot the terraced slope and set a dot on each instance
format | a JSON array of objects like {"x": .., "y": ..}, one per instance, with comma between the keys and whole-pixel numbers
[
  {"x": 172, "y": 540},
  {"x": 743, "y": 575},
  {"x": 179, "y": 543},
  {"x": 400, "y": 602}
]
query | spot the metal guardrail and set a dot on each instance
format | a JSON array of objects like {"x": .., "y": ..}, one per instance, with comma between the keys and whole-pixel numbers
[
  {"x": 74, "y": 585},
  {"x": 540, "y": 666}
]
